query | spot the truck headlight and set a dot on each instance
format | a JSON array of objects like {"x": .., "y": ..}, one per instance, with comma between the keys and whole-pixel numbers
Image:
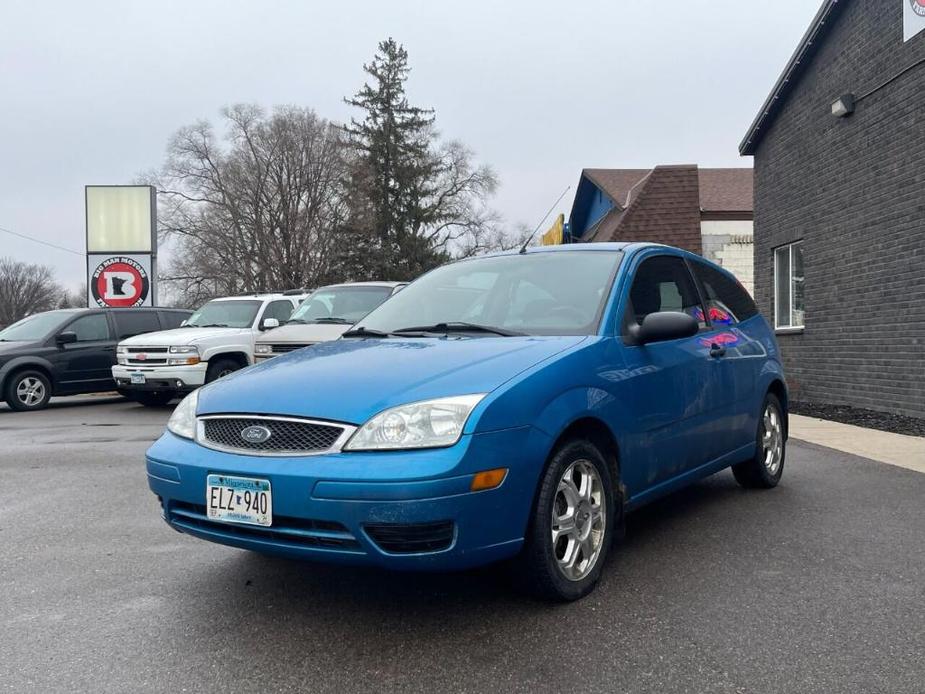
[
  {"x": 263, "y": 349},
  {"x": 121, "y": 349},
  {"x": 183, "y": 420},
  {"x": 427, "y": 424},
  {"x": 190, "y": 352}
]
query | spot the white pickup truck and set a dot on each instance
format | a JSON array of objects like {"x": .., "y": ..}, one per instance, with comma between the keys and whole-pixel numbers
[{"x": 217, "y": 339}]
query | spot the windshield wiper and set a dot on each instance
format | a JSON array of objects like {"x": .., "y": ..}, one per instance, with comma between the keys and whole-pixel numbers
[
  {"x": 295, "y": 320},
  {"x": 210, "y": 325},
  {"x": 365, "y": 332},
  {"x": 333, "y": 319},
  {"x": 460, "y": 327}
]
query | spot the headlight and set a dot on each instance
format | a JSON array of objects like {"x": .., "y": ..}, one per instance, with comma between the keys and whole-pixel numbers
[
  {"x": 122, "y": 359},
  {"x": 183, "y": 420},
  {"x": 263, "y": 349},
  {"x": 121, "y": 349},
  {"x": 191, "y": 358},
  {"x": 427, "y": 424}
]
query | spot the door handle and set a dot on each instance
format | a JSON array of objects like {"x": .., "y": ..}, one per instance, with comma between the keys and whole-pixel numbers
[{"x": 717, "y": 351}]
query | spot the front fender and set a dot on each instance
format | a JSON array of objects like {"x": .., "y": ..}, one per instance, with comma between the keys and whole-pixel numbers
[{"x": 17, "y": 363}]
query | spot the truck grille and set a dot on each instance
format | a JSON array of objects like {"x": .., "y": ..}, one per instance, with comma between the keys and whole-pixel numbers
[
  {"x": 147, "y": 356},
  {"x": 271, "y": 435}
]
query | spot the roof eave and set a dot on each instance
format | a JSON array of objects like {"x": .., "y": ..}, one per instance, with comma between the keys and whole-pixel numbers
[{"x": 797, "y": 60}]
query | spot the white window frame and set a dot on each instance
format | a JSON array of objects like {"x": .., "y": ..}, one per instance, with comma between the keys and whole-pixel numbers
[{"x": 789, "y": 326}]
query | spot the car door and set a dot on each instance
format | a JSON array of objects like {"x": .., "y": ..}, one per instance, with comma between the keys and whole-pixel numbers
[
  {"x": 85, "y": 365},
  {"x": 668, "y": 383},
  {"x": 738, "y": 356}
]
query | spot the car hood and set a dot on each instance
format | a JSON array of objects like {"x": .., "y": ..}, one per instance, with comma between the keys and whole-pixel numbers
[
  {"x": 13, "y": 347},
  {"x": 182, "y": 336},
  {"x": 304, "y": 332},
  {"x": 351, "y": 380}
]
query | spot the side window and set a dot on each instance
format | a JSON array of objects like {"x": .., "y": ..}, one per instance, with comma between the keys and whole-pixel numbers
[
  {"x": 130, "y": 323},
  {"x": 90, "y": 328},
  {"x": 172, "y": 319},
  {"x": 727, "y": 301},
  {"x": 280, "y": 310},
  {"x": 662, "y": 283}
]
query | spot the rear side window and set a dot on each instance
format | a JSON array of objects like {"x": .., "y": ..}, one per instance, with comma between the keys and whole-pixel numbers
[
  {"x": 727, "y": 301},
  {"x": 662, "y": 283},
  {"x": 92, "y": 328},
  {"x": 131, "y": 323},
  {"x": 172, "y": 319}
]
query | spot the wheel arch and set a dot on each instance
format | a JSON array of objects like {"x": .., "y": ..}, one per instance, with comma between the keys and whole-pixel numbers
[
  {"x": 597, "y": 432},
  {"x": 27, "y": 364},
  {"x": 779, "y": 390},
  {"x": 236, "y": 356}
]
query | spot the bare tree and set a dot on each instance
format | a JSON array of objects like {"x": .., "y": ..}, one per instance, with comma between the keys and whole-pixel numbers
[
  {"x": 256, "y": 209},
  {"x": 25, "y": 289}
]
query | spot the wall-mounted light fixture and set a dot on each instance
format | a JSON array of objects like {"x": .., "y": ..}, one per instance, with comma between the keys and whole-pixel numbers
[{"x": 844, "y": 106}]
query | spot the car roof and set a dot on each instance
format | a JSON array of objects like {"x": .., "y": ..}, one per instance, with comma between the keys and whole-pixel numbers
[{"x": 257, "y": 297}]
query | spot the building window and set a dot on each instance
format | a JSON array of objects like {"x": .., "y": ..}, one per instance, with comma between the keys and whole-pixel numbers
[{"x": 788, "y": 286}]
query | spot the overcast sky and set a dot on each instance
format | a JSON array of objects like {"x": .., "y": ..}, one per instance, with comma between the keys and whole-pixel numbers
[{"x": 90, "y": 91}]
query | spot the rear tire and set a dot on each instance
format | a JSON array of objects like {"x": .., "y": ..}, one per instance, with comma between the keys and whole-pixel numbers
[
  {"x": 765, "y": 469},
  {"x": 28, "y": 390},
  {"x": 153, "y": 399},
  {"x": 572, "y": 526},
  {"x": 221, "y": 368}
]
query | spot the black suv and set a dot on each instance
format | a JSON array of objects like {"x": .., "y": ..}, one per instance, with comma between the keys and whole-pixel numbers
[{"x": 70, "y": 351}]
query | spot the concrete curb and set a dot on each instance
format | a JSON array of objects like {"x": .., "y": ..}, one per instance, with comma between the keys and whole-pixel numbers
[{"x": 893, "y": 449}]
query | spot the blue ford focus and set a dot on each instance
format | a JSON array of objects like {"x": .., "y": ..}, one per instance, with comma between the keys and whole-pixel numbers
[{"x": 511, "y": 406}]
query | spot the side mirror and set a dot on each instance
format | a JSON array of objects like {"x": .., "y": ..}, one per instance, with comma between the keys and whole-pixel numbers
[
  {"x": 269, "y": 323},
  {"x": 668, "y": 325},
  {"x": 66, "y": 338}
]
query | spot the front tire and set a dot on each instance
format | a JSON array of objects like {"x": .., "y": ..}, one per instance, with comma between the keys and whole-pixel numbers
[
  {"x": 221, "y": 368},
  {"x": 572, "y": 526},
  {"x": 765, "y": 469},
  {"x": 28, "y": 390}
]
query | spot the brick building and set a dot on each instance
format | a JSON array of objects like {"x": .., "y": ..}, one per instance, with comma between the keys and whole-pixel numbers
[
  {"x": 839, "y": 157},
  {"x": 707, "y": 211}
]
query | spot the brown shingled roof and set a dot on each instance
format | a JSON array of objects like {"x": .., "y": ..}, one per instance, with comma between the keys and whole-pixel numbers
[{"x": 727, "y": 190}]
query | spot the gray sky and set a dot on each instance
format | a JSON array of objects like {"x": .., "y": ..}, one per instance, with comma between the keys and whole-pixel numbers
[{"x": 90, "y": 91}]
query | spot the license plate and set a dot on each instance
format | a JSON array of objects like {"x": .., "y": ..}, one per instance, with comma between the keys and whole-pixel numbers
[
  {"x": 138, "y": 378},
  {"x": 239, "y": 500}
]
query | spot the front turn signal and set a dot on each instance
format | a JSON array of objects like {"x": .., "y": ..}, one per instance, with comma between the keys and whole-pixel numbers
[{"x": 489, "y": 479}]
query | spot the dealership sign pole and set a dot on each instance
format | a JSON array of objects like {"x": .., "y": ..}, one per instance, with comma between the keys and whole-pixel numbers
[{"x": 121, "y": 246}]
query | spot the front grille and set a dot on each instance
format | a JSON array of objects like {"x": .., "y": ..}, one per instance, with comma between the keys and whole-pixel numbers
[
  {"x": 150, "y": 356},
  {"x": 289, "y": 347},
  {"x": 411, "y": 538},
  {"x": 286, "y": 436},
  {"x": 289, "y": 531}
]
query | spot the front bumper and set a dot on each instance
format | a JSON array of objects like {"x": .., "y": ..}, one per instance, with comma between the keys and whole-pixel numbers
[
  {"x": 399, "y": 510},
  {"x": 178, "y": 379}
]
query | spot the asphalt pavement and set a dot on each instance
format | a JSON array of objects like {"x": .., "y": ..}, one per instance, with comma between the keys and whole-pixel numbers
[{"x": 816, "y": 586}]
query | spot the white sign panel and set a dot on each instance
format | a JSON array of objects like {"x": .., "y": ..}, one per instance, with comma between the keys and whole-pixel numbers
[
  {"x": 118, "y": 281},
  {"x": 913, "y": 18}
]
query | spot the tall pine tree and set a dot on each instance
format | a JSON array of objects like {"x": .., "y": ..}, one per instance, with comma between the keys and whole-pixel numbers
[{"x": 396, "y": 172}]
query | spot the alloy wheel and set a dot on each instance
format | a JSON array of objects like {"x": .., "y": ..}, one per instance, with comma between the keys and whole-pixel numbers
[
  {"x": 772, "y": 440},
  {"x": 30, "y": 391},
  {"x": 578, "y": 520}
]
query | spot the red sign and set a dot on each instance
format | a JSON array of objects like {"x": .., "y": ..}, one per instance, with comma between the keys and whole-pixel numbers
[{"x": 119, "y": 282}]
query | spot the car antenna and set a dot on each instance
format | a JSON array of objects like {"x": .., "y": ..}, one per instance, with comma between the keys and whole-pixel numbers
[{"x": 523, "y": 249}]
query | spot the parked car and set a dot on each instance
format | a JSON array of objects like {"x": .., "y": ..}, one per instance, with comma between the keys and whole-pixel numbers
[
  {"x": 70, "y": 351},
  {"x": 506, "y": 406},
  {"x": 215, "y": 341},
  {"x": 325, "y": 315}
]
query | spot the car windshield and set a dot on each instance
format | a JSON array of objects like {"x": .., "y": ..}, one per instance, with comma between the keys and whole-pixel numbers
[
  {"x": 556, "y": 293},
  {"x": 225, "y": 314},
  {"x": 340, "y": 304},
  {"x": 35, "y": 327}
]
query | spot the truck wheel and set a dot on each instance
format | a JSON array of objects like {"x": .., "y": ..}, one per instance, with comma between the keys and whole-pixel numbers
[
  {"x": 221, "y": 368},
  {"x": 572, "y": 525},
  {"x": 28, "y": 390},
  {"x": 153, "y": 399},
  {"x": 764, "y": 470}
]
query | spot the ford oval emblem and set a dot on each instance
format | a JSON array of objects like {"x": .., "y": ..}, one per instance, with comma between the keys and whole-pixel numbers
[{"x": 256, "y": 434}]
